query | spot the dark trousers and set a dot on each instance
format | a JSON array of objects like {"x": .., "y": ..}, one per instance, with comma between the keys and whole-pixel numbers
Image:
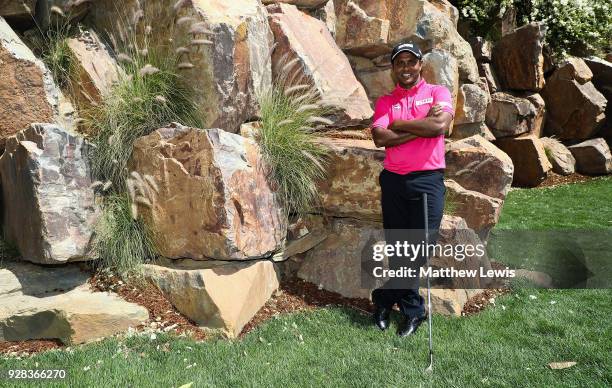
[{"x": 402, "y": 209}]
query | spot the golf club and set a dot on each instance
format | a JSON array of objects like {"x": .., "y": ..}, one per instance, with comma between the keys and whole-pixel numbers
[{"x": 430, "y": 367}]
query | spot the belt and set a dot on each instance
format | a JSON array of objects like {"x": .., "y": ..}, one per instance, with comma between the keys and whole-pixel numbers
[{"x": 418, "y": 173}]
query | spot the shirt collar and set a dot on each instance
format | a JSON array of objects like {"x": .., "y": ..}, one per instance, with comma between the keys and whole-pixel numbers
[{"x": 401, "y": 92}]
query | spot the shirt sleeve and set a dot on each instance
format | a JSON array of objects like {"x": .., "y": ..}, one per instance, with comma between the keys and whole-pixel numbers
[
  {"x": 442, "y": 97},
  {"x": 381, "y": 114}
]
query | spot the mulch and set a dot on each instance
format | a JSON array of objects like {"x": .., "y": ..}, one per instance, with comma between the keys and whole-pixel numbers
[
  {"x": 293, "y": 295},
  {"x": 150, "y": 297},
  {"x": 554, "y": 179},
  {"x": 28, "y": 347},
  {"x": 480, "y": 301}
]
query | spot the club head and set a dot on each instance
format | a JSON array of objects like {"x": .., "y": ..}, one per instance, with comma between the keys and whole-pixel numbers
[{"x": 429, "y": 369}]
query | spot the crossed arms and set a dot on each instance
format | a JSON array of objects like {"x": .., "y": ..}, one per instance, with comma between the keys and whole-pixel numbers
[{"x": 435, "y": 124}]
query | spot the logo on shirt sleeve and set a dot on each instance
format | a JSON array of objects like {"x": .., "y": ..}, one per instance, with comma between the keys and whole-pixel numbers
[{"x": 424, "y": 101}]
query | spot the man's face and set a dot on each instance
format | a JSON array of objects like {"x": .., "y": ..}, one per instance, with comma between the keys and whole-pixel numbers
[{"x": 407, "y": 69}]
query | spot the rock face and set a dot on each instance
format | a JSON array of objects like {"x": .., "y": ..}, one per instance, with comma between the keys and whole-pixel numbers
[
  {"x": 486, "y": 72},
  {"x": 508, "y": 115},
  {"x": 441, "y": 68},
  {"x": 96, "y": 70},
  {"x": 323, "y": 64},
  {"x": 530, "y": 162},
  {"x": 575, "y": 109},
  {"x": 476, "y": 164},
  {"x": 559, "y": 156},
  {"x": 479, "y": 211},
  {"x": 327, "y": 14},
  {"x": 49, "y": 210},
  {"x": 27, "y": 90},
  {"x": 518, "y": 60},
  {"x": 376, "y": 78},
  {"x": 56, "y": 303},
  {"x": 466, "y": 130},
  {"x": 227, "y": 73},
  {"x": 343, "y": 261},
  {"x": 302, "y": 235},
  {"x": 536, "y": 125},
  {"x": 214, "y": 200},
  {"x": 215, "y": 295},
  {"x": 602, "y": 80},
  {"x": 592, "y": 157},
  {"x": 351, "y": 187},
  {"x": 371, "y": 28},
  {"x": 472, "y": 105},
  {"x": 336, "y": 263}
]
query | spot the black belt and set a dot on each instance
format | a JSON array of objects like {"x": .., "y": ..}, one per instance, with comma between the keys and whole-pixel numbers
[{"x": 418, "y": 173}]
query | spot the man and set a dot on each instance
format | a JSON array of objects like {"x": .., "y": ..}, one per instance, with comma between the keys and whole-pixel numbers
[{"x": 410, "y": 122}]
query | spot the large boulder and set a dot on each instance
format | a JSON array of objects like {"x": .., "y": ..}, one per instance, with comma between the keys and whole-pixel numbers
[
  {"x": 476, "y": 164},
  {"x": 49, "y": 208},
  {"x": 559, "y": 156},
  {"x": 229, "y": 72},
  {"x": 215, "y": 295},
  {"x": 95, "y": 69},
  {"x": 371, "y": 28},
  {"x": 575, "y": 109},
  {"x": 482, "y": 49},
  {"x": 602, "y": 80},
  {"x": 351, "y": 188},
  {"x": 376, "y": 77},
  {"x": 592, "y": 157},
  {"x": 472, "y": 105},
  {"x": 56, "y": 303},
  {"x": 466, "y": 130},
  {"x": 479, "y": 211},
  {"x": 343, "y": 263},
  {"x": 518, "y": 60},
  {"x": 27, "y": 90},
  {"x": 214, "y": 198},
  {"x": 489, "y": 76},
  {"x": 327, "y": 14},
  {"x": 531, "y": 165},
  {"x": 441, "y": 68},
  {"x": 536, "y": 125},
  {"x": 510, "y": 116},
  {"x": 302, "y": 37}
]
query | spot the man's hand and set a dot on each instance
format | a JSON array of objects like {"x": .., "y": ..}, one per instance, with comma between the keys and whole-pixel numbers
[{"x": 435, "y": 110}]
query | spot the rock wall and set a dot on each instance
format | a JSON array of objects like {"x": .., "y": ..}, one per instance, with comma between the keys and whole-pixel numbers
[{"x": 225, "y": 238}]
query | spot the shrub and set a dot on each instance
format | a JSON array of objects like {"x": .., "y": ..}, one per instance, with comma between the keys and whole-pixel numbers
[
  {"x": 137, "y": 105},
  {"x": 51, "y": 45},
  {"x": 150, "y": 95},
  {"x": 290, "y": 113},
  {"x": 121, "y": 242},
  {"x": 574, "y": 27}
]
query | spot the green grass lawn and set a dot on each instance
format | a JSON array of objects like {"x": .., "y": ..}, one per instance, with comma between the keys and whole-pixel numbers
[
  {"x": 564, "y": 231},
  {"x": 509, "y": 344}
]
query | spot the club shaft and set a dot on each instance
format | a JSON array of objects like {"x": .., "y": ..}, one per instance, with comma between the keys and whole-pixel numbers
[{"x": 429, "y": 312}]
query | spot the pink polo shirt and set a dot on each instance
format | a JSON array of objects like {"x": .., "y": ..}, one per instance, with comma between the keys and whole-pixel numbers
[{"x": 407, "y": 104}]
